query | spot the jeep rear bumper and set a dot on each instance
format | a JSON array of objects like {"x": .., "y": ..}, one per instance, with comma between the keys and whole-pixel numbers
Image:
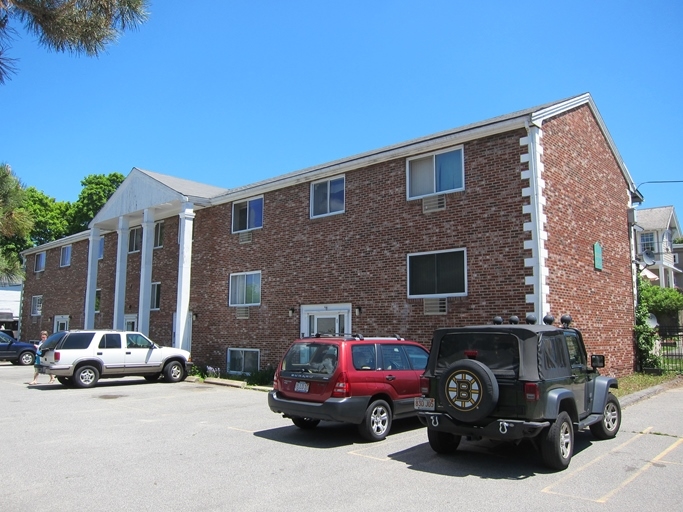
[{"x": 499, "y": 429}]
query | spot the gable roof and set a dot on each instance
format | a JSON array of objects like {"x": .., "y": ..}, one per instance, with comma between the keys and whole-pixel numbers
[
  {"x": 144, "y": 189},
  {"x": 660, "y": 218}
]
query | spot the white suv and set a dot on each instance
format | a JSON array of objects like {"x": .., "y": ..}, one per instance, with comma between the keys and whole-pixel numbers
[{"x": 81, "y": 358}]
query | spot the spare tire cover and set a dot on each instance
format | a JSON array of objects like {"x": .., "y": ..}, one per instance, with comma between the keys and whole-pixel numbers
[{"x": 468, "y": 390}]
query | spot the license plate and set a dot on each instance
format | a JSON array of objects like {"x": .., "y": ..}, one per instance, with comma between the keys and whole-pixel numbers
[
  {"x": 424, "y": 404},
  {"x": 301, "y": 386}
]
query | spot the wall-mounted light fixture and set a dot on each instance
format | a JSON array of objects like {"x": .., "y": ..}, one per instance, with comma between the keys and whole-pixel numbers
[
  {"x": 194, "y": 316},
  {"x": 291, "y": 311},
  {"x": 359, "y": 310}
]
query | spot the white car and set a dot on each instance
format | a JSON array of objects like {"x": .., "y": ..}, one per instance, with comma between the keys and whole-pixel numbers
[{"x": 81, "y": 358}]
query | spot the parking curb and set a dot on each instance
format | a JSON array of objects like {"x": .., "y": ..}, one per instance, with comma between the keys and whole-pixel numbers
[{"x": 227, "y": 382}]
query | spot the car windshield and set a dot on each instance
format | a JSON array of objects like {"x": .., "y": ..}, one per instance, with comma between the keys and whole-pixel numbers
[
  {"x": 498, "y": 351},
  {"x": 311, "y": 357}
]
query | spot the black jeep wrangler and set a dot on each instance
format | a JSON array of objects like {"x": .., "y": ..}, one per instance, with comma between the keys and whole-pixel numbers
[{"x": 513, "y": 382}]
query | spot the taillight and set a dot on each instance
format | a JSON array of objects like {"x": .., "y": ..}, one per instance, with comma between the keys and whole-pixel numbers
[
  {"x": 57, "y": 356},
  {"x": 276, "y": 377},
  {"x": 424, "y": 385},
  {"x": 341, "y": 387},
  {"x": 531, "y": 392}
]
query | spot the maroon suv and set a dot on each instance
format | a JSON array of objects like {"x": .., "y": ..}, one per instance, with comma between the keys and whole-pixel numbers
[{"x": 366, "y": 381}]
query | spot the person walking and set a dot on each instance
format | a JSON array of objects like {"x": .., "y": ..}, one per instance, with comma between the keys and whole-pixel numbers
[{"x": 36, "y": 365}]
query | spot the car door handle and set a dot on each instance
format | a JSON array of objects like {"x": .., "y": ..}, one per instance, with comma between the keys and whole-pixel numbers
[
  {"x": 99, "y": 353},
  {"x": 128, "y": 353},
  {"x": 390, "y": 377}
]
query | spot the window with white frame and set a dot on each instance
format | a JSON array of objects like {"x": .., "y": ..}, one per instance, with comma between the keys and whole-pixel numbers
[
  {"x": 36, "y": 305},
  {"x": 327, "y": 197},
  {"x": 245, "y": 289},
  {"x": 135, "y": 239},
  {"x": 243, "y": 360},
  {"x": 100, "y": 252},
  {"x": 247, "y": 215},
  {"x": 159, "y": 234},
  {"x": 437, "y": 274},
  {"x": 436, "y": 174},
  {"x": 155, "y": 303},
  {"x": 39, "y": 264},
  {"x": 65, "y": 258},
  {"x": 647, "y": 242},
  {"x": 98, "y": 295}
]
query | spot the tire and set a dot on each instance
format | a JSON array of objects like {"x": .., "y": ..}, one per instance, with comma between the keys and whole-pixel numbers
[
  {"x": 174, "y": 372},
  {"x": 152, "y": 378},
  {"x": 443, "y": 442},
  {"x": 86, "y": 377},
  {"x": 468, "y": 390},
  {"x": 26, "y": 358},
  {"x": 305, "y": 423},
  {"x": 608, "y": 427},
  {"x": 557, "y": 445},
  {"x": 65, "y": 381},
  {"x": 377, "y": 421}
]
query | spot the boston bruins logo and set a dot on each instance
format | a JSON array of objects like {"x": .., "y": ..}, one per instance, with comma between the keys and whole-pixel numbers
[{"x": 464, "y": 391}]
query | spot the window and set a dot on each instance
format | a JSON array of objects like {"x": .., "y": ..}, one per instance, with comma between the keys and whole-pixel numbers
[
  {"x": 98, "y": 294},
  {"x": 437, "y": 274},
  {"x": 36, "y": 305},
  {"x": 135, "y": 239},
  {"x": 110, "y": 340},
  {"x": 243, "y": 360},
  {"x": 40, "y": 262},
  {"x": 137, "y": 340},
  {"x": 247, "y": 215},
  {"x": 158, "y": 234},
  {"x": 77, "y": 341},
  {"x": 100, "y": 253},
  {"x": 647, "y": 242},
  {"x": 156, "y": 296},
  {"x": 364, "y": 357},
  {"x": 65, "y": 258},
  {"x": 245, "y": 289},
  {"x": 436, "y": 174},
  {"x": 327, "y": 197}
]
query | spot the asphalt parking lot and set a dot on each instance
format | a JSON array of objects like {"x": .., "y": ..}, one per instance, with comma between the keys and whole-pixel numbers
[{"x": 131, "y": 445}]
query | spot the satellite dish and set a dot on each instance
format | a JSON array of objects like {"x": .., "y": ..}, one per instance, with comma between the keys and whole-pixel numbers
[
  {"x": 648, "y": 258},
  {"x": 652, "y": 321}
]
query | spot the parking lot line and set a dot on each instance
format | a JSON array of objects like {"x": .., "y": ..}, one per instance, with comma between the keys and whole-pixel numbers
[
  {"x": 642, "y": 470},
  {"x": 578, "y": 470}
]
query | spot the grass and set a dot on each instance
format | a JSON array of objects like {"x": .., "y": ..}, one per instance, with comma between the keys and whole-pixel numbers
[{"x": 639, "y": 381}]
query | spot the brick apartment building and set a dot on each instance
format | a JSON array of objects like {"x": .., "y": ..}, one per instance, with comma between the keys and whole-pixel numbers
[{"x": 523, "y": 213}]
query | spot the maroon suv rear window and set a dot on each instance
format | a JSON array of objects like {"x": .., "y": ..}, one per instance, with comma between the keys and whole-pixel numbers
[{"x": 311, "y": 357}]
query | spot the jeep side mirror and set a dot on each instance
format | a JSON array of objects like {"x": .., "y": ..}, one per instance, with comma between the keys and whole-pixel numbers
[{"x": 598, "y": 361}]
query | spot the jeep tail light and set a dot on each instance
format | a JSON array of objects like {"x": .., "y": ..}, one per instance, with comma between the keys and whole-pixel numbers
[
  {"x": 531, "y": 392},
  {"x": 58, "y": 356},
  {"x": 471, "y": 354},
  {"x": 341, "y": 387},
  {"x": 424, "y": 385}
]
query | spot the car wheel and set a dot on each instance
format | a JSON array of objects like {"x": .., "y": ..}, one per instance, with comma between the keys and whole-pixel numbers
[
  {"x": 443, "y": 442},
  {"x": 305, "y": 423},
  {"x": 152, "y": 378},
  {"x": 65, "y": 381},
  {"x": 26, "y": 358},
  {"x": 611, "y": 421},
  {"x": 377, "y": 421},
  {"x": 557, "y": 445},
  {"x": 174, "y": 372},
  {"x": 469, "y": 390},
  {"x": 86, "y": 377}
]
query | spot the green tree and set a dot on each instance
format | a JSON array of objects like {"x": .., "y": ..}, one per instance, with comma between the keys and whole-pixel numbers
[
  {"x": 51, "y": 217},
  {"x": 74, "y": 26},
  {"x": 661, "y": 301},
  {"x": 16, "y": 222},
  {"x": 97, "y": 189},
  {"x": 646, "y": 336},
  {"x": 678, "y": 240}
]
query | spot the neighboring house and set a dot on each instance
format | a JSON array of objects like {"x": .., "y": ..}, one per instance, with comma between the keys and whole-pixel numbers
[
  {"x": 524, "y": 213},
  {"x": 678, "y": 263},
  {"x": 657, "y": 228}
]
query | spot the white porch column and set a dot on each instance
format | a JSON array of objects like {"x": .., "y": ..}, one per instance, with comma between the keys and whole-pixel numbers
[
  {"x": 184, "y": 270},
  {"x": 146, "y": 271},
  {"x": 121, "y": 268},
  {"x": 91, "y": 282}
]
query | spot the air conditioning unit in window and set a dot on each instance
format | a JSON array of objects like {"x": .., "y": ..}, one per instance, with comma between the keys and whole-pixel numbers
[
  {"x": 433, "y": 203},
  {"x": 435, "y": 306}
]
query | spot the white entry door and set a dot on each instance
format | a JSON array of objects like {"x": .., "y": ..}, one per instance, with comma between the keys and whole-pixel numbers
[
  {"x": 325, "y": 319},
  {"x": 130, "y": 322},
  {"x": 61, "y": 323}
]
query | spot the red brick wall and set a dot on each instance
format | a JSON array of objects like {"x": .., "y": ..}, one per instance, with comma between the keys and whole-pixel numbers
[{"x": 586, "y": 203}]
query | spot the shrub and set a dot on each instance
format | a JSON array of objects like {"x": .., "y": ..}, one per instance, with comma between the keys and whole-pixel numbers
[{"x": 262, "y": 377}]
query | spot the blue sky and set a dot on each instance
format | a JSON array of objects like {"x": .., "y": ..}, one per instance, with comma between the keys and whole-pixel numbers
[{"x": 232, "y": 92}]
